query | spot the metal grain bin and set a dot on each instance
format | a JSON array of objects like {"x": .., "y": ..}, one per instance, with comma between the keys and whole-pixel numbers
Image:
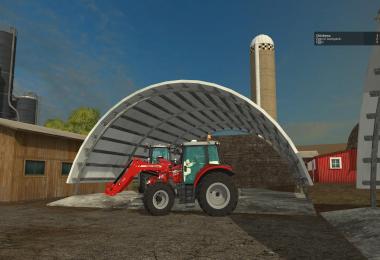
[{"x": 27, "y": 108}]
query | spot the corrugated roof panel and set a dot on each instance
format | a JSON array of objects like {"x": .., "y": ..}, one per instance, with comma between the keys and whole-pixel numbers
[
  {"x": 142, "y": 115},
  {"x": 132, "y": 126},
  {"x": 100, "y": 157},
  {"x": 154, "y": 111},
  {"x": 114, "y": 145}
]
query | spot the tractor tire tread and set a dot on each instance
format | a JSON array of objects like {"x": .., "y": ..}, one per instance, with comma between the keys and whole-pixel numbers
[
  {"x": 148, "y": 199},
  {"x": 202, "y": 189}
]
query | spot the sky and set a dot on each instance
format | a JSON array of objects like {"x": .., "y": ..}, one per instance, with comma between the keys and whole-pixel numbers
[{"x": 94, "y": 53}]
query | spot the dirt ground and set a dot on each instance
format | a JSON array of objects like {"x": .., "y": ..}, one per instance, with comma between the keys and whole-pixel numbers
[
  {"x": 33, "y": 231},
  {"x": 329, "y": 197}
]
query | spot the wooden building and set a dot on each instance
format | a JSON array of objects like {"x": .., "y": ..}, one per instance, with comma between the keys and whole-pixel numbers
[
  {"x": 35, "y": 162},
  {"x": 337, "y": 167}
]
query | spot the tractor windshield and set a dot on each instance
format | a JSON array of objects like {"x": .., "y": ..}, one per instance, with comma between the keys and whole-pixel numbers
[
  {"x": 213, "y": 155},
  {"x": 160, "y": 152}
]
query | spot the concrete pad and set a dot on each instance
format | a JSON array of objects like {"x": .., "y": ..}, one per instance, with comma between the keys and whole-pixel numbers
[
  {"x": 252, "y": 201},
  {"x": 98, "y": 200},
  {"x": 262, "y": 201},
  {"x": 360, "y": 226}
]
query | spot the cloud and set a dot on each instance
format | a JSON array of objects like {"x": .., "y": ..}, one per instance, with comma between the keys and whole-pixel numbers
[{"x": 305, "y": 133}]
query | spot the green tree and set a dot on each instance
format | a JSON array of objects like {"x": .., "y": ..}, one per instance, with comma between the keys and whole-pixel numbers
[
  {"x": 55, "y": 123},
  {"x": 80, "y": 121}
]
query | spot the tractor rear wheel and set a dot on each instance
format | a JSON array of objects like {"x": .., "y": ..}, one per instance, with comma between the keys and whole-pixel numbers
[
  {"x": 217, "y": 194},
  {"x": 158, "y": 199}
]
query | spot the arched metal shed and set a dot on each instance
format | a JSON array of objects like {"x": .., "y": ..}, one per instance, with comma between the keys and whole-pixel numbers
[{"x": 174, "y": 112}]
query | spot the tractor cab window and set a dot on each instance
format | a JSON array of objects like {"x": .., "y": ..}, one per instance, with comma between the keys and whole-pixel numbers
[
  {"x": 194, "y": 159},
  {"x": 160, "y": 152},
  {"x": 213, "y": 155}
]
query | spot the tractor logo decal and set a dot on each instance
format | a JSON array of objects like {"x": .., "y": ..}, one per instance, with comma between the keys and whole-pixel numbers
[{"x": 187, "y": 168}]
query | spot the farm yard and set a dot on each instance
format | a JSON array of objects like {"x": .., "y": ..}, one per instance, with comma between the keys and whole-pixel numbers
[
  {"x": 129, "y": 131},
  {"x": 329, "y": 197},
  {"x": 32, "y": 230}
]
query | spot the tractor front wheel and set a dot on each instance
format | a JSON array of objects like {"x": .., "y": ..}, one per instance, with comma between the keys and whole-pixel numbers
[
  {"x": 158, "y": 199},
  {"x": 143, "y": 179},
  {"x": 217, "y": 194}
]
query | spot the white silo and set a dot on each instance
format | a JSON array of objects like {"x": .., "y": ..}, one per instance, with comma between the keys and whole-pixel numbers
[{"x": 263, "y": 73}]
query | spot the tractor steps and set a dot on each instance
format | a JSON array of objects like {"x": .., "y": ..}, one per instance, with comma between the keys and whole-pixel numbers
[{"x": 186, "y": 194}]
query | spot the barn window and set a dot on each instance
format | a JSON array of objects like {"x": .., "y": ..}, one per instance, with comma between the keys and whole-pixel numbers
[
  {"x": 34, "y": 168},
  {"x": 65, "y": 168},
  {"x": 336, "y": 163}
]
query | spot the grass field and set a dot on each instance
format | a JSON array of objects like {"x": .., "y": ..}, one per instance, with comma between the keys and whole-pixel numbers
[{"x": 327, "y": 197}]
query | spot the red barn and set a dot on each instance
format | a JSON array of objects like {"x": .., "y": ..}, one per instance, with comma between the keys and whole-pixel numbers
[{"x": 336, "y": 167}]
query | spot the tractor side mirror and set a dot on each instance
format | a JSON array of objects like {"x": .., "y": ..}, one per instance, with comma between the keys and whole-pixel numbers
[{"x": 176, "y": 150}]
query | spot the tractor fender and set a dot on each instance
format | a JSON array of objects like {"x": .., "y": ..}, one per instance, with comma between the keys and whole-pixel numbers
[
  {"x": 212, "y": 168},
  {"x": 154, "y": 178}
]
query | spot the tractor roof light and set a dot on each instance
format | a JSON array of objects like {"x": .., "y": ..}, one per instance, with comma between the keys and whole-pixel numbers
[{"x": 200, "y": 143}]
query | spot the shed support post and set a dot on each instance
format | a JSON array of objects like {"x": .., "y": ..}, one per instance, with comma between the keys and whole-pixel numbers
[
  {"x": 77, "y": 188},
  {"x": 301, "y": 190}
]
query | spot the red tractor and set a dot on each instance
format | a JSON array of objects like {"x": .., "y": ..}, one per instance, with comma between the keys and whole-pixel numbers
[
  {"x": 154, "y": 153},
  {"x": 200, "y": 177}
]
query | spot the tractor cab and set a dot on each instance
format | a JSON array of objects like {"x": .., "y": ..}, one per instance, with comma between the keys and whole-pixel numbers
[
  {"x": 159, "y": 150},
  {"x": 154, "y": 153},
  {"x": 197, "y": 155}
]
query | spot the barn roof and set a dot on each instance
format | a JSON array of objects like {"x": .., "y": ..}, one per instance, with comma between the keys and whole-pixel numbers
[
  {"x": 174, "y": 112},
  {"x": 336, "y": 153},
  {"x": 25, "y": 127},
  {"x": 323, "y": 148}
]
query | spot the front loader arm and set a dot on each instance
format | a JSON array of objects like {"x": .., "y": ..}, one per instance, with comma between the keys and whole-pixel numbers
[
  {"x": 125, "y": 179},
  {"x": 134, "y": 168}
]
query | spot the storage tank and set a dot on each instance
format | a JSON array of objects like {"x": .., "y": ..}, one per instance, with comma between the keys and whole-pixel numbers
[
  {"x": 8, "y": 40},
  {"x": 27, "y": 108},
  {"x": 263, "y": 74}
]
